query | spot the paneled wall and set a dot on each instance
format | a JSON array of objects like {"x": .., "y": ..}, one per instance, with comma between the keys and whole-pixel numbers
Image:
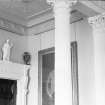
[{"x": 82, "y": 32}]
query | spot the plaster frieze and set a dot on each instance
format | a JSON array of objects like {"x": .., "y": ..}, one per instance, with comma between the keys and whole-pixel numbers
[
  {"x": 12, "y": 27},
  {"x": 97, "y": 22}
]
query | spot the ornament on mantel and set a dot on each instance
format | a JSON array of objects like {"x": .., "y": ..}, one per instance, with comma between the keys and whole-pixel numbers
[
  {"x": 27, "y": 58},
  {"x": 6, "y": 50}
]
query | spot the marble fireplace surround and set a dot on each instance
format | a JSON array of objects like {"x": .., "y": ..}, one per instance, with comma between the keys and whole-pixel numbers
[{"x": 19, "y": 72}]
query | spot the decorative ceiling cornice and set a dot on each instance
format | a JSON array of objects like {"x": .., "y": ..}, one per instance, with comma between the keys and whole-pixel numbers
[
  {"x": 36, "y": 25},
  {"x": 33, "y": 21},
  {"x": 48, "y": 24},
  {"x": 12, "y": 27},
  {"x": 40, "y": 17}
]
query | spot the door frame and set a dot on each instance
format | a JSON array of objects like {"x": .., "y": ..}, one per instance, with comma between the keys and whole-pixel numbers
[{"x": 40, "y": 54}]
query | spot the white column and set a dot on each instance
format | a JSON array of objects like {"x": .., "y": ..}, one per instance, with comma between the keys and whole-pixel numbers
[
  {"x": 63, "y": 85},
  {"x": 98, "y": 25}
]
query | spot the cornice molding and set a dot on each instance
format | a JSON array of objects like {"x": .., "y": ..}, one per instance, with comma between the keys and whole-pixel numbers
[
  {"x": 49, "y": 24},
  {"x": 40, "y": 18},
  {"x": 36, "y": 25},
  {"x": 20, "y": 29},
  {"x": 36, "y": 21},
  {"x": 12, "y": 27},
  {"x": 97, "y": 22},
  {"x": 42, "y": 27}
]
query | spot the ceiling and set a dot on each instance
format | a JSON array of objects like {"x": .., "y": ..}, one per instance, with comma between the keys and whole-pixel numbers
[
  {"x": 23, "y": 8},
  {"x": 21, "y": 11}
]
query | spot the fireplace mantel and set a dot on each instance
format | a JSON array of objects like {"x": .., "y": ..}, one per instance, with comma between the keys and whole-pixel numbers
[{"x": 19, "y": 72}]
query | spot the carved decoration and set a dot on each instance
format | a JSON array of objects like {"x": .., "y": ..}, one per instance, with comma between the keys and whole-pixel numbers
[
  {"x": 69, "y": 2},
  {"x": 98, "y": 22},
  {"x": 26, "y": 58},
  {"x": 19, "y": 72},
  {"x": 6, "y": 50}
]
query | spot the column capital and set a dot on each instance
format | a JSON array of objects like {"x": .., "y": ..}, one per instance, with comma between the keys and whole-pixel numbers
[
  {"x": 58, "y": 2},
  {"x": 97, "y": 22}
]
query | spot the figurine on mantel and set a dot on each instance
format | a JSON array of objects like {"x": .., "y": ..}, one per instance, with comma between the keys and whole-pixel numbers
[{"x": 6, "y": 49}]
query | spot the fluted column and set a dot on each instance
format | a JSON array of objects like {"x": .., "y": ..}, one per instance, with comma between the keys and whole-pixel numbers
[
  {"x": 98, "y": 25},
  {"x": 63, "y": 85}
]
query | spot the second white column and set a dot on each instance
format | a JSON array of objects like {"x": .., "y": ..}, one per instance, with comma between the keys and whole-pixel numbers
[
  {"x": 98, "y": 25},
  {"x": 63, "y": 85}
]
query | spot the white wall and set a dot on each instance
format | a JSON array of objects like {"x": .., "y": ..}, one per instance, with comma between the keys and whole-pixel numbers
[
  {"x": 82, "y": 32},
  {"x": 46, "y": 40},
  {"x": 36, "y": 43},
  {"x": 85, "y": 63},
  {"x": 31, "y": 44}
]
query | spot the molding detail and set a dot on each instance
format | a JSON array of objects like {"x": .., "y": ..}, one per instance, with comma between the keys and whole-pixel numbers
[
  {"x": 57, "y": 2},
  {"x": 40, "y": 23},
  {"x": 12, "y": 27},
  {"x": 19, "y": 72},
  {"x": 97, "y": 22}
]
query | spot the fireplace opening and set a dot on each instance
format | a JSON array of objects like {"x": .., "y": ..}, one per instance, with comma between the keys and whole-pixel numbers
[{"x": 8, "y": 91}]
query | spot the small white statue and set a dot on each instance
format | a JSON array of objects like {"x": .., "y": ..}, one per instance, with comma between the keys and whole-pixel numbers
[{"x": 6, "y": 49}]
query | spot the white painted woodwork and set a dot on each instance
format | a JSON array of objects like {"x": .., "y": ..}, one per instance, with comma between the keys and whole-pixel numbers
[
  {"x": 19, "y": 72},
  {"x": 63, "y": 85},
  {"x": 98, "y": 25}
]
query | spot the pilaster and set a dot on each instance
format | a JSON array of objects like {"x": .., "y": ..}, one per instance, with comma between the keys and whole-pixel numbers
[
  {"x": 55, "y": 2},
  {"x": 98, "y": 26},
  {"x": 63, "y": 85}
]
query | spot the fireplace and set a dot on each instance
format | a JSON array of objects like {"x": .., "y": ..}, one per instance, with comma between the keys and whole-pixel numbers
[
  {"x": 13, "y": 83},
  {"x": 8, "y": 91}
]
